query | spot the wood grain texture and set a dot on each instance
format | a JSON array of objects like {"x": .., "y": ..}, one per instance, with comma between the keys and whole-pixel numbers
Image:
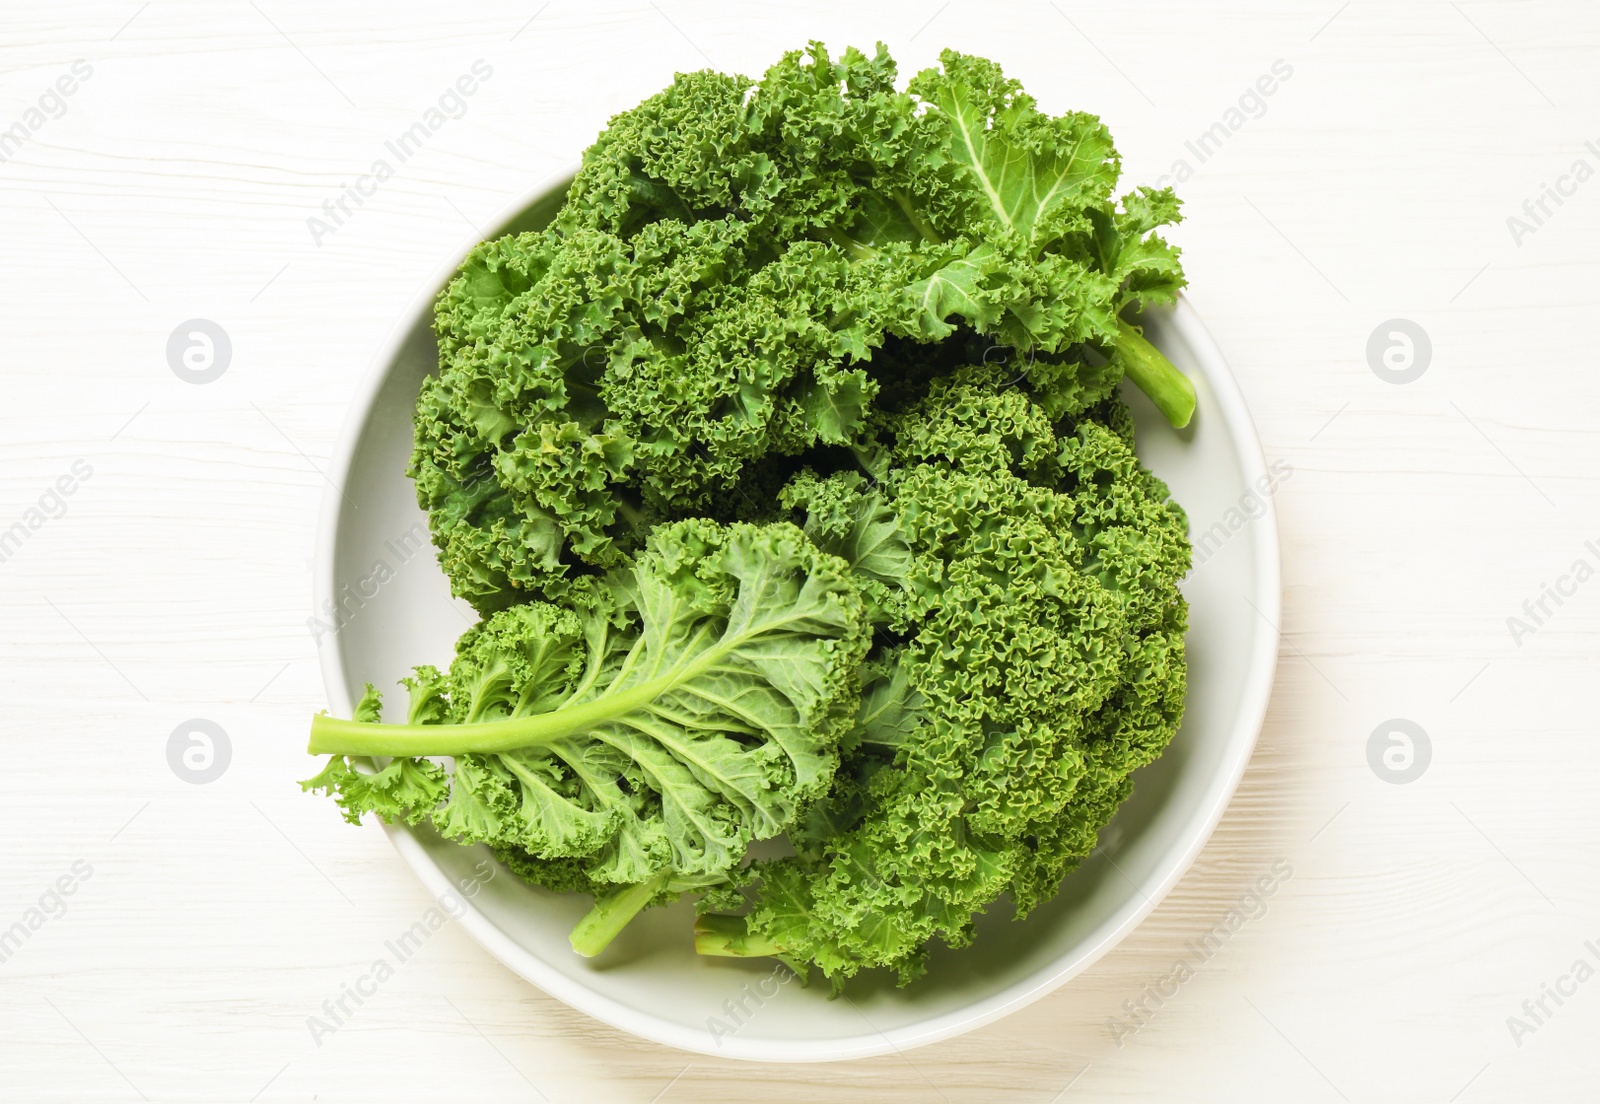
[{"x": 1375, "y": 184}]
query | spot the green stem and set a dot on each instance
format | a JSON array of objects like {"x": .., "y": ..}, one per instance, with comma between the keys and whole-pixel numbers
[
  {"x": 856, "y": 250},
  {"x": 631, "y": 514},
  {"x": 332, "y": 736},
  {"x": 611, "y": 914},
  {"x": 730, "y": 937},
  {"x": 904, "y": 202},
  {"x": 1154, "y": 374}
]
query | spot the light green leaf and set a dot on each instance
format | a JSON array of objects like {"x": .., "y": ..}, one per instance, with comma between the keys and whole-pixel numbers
[
  {"x": 955, "y": 289},
  {"x": 697, "y": 703},
  {"x": 1025, "y": 165},
  {"x": 836, "y": 405},
  {"x": 891, "y": 711}
]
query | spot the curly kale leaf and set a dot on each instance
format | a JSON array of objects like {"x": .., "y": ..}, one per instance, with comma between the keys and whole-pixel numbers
[
  {"x": 1032, "y": 657},
  {"x": 722, "y": 287},
  {"x": 642, "y": 733}
]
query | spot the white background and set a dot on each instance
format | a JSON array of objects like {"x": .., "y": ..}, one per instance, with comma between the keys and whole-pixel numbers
[{"x": 1376, "y": 185}]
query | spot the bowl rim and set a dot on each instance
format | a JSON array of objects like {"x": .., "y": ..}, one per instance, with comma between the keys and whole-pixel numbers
[{"x": 1256, "y": 692}]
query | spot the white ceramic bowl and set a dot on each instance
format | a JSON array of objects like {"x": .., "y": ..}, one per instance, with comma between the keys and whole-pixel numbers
[{"x": 375, "y": 563}]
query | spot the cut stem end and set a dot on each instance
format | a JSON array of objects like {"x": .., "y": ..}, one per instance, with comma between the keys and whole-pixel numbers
[
  {"x": 729, "y": 937},
  {"x": 1155, "y": 375}
]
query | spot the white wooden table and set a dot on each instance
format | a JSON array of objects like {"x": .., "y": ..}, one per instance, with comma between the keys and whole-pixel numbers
[{"x": 206, "y": 922}]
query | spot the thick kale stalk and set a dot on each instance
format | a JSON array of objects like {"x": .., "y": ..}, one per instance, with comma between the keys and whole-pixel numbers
[
  {"x": 612, "y": 911},
  {"x": 721, "y": 935},
  {"x": 1168, "y": 388}
]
